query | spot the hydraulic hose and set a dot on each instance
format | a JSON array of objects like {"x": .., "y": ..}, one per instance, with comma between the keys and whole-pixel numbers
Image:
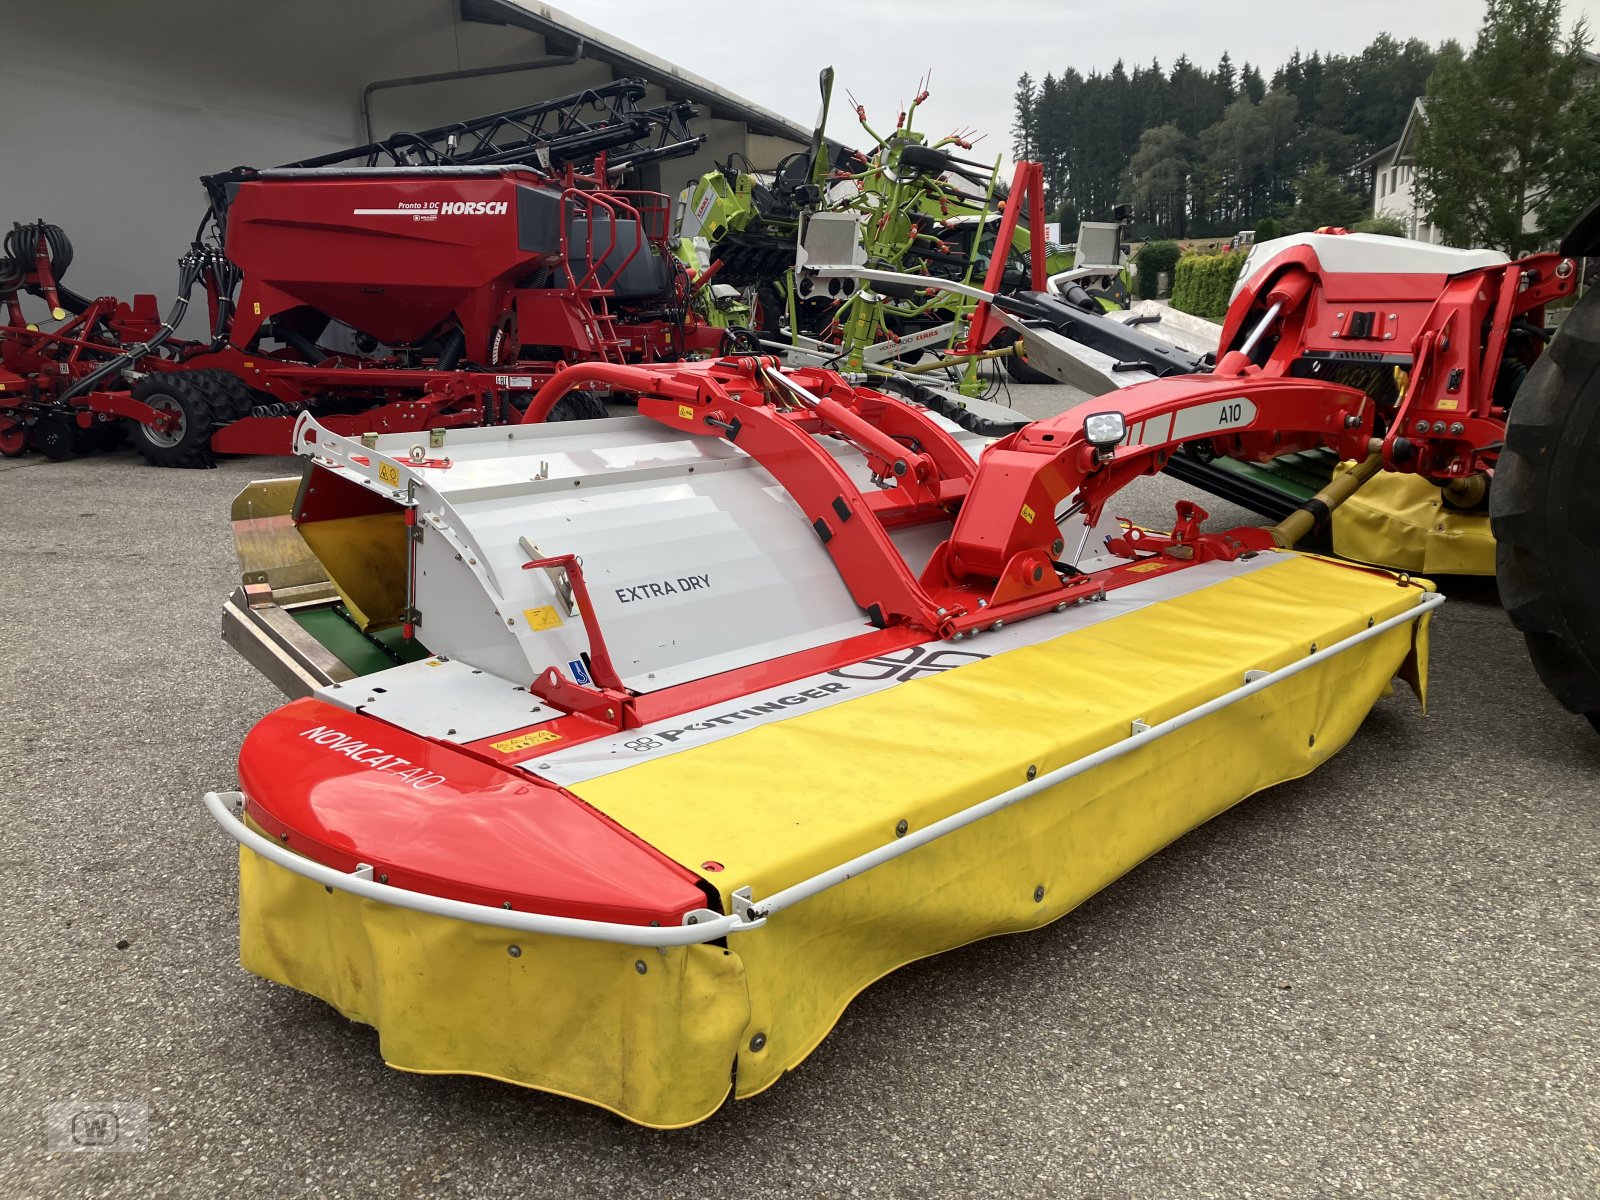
[
  {"x": 21, "y": 241},
  {"x": 190, "y": 267},
  {"x": 455, "y": 344},
  {"x": 20, "y": 248}
]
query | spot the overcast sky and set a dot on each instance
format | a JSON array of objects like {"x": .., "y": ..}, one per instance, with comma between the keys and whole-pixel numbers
[{"x": 771, "y": 52}]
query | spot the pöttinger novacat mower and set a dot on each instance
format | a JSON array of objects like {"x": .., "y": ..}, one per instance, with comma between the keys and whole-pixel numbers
[{"x": 625, "y": 753}]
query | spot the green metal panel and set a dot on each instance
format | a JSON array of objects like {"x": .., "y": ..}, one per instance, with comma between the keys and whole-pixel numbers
[{"x": 363, "y": 654}]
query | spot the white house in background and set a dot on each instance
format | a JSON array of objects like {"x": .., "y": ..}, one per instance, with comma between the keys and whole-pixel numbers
[{"x": 1394, "y": 172}]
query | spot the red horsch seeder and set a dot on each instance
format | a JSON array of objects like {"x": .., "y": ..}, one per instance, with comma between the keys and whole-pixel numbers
[{"x": 428, "y": 281}]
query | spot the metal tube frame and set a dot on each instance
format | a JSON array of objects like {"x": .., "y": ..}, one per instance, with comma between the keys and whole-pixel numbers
[{"x": 227, "y": 809}]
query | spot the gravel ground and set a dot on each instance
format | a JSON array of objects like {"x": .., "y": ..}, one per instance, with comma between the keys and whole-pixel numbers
[{"x": 1378, "y": 980}]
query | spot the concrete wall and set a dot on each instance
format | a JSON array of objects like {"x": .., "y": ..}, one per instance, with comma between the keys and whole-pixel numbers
[{"x": 107, "y": 134}]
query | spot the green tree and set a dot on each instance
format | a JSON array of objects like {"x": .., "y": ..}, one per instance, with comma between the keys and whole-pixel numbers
[
  {"x": 1251, "y": 84},
  {"x": 1235, "y": 150},
  {"x": 1512, "y": 131},
  {"x": 1226, "y": 80},
  {"x": 1023, "y": 124},
  {"x": 1321, "y": 198},
  {"x": 1160, "y": 179},
  {"x": 1247, "y": 142}
]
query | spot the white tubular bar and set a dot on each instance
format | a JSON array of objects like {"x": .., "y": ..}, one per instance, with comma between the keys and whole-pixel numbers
[
  {"x": 225, "y": 810},
  {"x": 873, "y": 275},
  {"x": 707, "y": 926}
]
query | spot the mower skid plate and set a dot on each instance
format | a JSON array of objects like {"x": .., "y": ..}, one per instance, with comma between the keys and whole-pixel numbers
[
  {"x": 1405, "y": 523},
  {"x": 543, "y": 920}
]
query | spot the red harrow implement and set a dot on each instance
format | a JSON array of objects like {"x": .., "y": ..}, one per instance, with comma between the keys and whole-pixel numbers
[{"x": 63, "y": 390}]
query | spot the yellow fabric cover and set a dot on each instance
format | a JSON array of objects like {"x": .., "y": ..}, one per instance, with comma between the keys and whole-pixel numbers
[
  {"x": 1402, "y": 522},
  {"x": 781, "y": 802},
  {"x": 571, "y": 1017}
]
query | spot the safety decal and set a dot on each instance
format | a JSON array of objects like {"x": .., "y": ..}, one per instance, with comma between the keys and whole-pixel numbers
[
  {"x": 542, "y": 618},
  {"x": 525, "y": 741}
]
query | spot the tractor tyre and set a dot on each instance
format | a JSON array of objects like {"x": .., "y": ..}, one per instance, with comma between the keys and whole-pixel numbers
[
  {"x": 1017, "y": 367},
  {"x": 578, "y": 406},
  {"x": 56, "y": 437},
  {"x": 231, "y": 397},
  {"x": 1545, "y": 511},
  {"x": 191, "y": 396}
]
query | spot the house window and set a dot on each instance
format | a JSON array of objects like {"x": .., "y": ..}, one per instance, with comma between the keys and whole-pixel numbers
[
  {"x": 1383, "y": 186},
  {"x": 1394, "y": 177}
]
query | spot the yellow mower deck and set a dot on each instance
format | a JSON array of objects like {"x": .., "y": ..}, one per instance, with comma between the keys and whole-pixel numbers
[
  {"x": 1403, "y": 522},
  {"x": 658, "y": 1035}
]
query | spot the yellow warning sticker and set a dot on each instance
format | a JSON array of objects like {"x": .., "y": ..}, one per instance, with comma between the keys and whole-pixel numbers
[
  {"x": 389, "y": 474},
  {"x": 1028, "y": 514},
  {"x": 1147, "y": 567},
  {"x": 543, "y": 617},
  {"x": 525, "y": 741},
  {"x": 685, "y": 412},
  {"x": 256, "y": 309},
  {"x": 1447, "y": 404}
]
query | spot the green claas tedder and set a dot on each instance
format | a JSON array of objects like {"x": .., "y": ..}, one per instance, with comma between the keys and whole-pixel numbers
[{"x": 909, "y": 207}]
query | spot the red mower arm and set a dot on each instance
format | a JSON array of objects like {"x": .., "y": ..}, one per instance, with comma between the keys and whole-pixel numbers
[{"x": 1027, "y": 477}]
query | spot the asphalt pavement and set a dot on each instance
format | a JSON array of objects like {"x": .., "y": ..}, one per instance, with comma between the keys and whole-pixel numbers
[{"x": 1379, "y": 980}]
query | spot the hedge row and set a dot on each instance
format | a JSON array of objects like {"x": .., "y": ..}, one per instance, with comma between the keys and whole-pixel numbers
[
  {"x": 1202, "y": 283},
  {"x": 1154, "y": 258}
]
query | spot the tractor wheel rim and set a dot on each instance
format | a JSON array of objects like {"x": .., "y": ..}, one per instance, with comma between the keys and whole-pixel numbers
[
  {"x": 171, "y": 436},
  {"x": 12, "y": 440}
]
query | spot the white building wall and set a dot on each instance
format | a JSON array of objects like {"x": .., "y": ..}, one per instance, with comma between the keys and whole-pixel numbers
[
  {"x": 114, "y": 110},
  {"x": 1394, "y": 195}
]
